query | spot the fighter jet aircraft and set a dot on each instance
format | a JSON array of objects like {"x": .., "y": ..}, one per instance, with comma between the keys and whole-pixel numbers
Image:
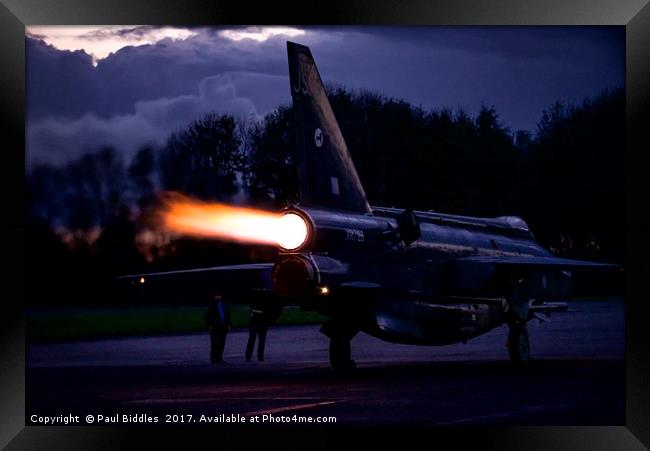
[{"x": 403, "y": 276}]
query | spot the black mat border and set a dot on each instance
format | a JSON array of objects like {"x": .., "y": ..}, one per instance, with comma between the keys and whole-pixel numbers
[{"x": 634, "y": 15}]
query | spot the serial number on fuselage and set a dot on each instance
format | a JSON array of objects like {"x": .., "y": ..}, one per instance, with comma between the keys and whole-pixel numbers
[{"x": 354, "y": 235}]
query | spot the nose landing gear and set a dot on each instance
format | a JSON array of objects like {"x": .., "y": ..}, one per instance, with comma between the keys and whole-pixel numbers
[{"x": 516, "y": 309}]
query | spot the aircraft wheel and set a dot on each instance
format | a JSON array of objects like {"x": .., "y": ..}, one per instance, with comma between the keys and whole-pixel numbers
[
  {"x": 518, "y": 344},
  {"x": 340, "y": 333},
  {"x": 340, "y": 352}
]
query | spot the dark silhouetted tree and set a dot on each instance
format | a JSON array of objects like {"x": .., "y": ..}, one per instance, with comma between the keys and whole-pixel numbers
[
  {"x": 574, "y": 175},
  {"x": 140, "y": 174},
  {"x": 271, "y": 172},
  {"x": 203, "y": 159},
  {"x": 96, "y": 185}
]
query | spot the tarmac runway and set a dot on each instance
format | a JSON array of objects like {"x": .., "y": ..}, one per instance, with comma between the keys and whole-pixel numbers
[{"x": 577, "y": 377}]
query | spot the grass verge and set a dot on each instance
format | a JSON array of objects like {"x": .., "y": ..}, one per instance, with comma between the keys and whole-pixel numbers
[{"x": 85, "y": 323}]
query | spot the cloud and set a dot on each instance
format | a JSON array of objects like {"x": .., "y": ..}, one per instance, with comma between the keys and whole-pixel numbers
[
  {"x": 101, "y": 41},
  {"x": 59, "y": 83},
  {"x": 140, "y": 93},
  {"x": 56, "y": 140},
  {"x": 65, "y": 83},
  {"x": 261, "y": 34}
]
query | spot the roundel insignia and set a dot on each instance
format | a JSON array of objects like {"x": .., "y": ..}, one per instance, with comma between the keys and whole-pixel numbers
[{"x": 318, "y": 137}]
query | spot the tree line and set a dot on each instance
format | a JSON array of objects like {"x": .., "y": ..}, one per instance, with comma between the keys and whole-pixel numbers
[{"x": 566, "y": 180}]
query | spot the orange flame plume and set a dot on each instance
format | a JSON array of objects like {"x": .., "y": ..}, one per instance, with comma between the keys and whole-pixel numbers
[{"x": 186, "y": 216}]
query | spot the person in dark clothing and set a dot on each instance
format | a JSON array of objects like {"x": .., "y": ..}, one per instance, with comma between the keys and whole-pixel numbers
[
  {"x": 260, "y": 321},
  {"x": 218, "y": 321},
  {"x": 256, "y": 328}
]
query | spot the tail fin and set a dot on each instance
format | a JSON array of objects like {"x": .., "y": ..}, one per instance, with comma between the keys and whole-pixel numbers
[{"x": 327, "y": 174}]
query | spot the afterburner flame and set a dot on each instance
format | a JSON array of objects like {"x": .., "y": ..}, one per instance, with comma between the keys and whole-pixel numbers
[
  {"x": 187, "y": 216},
  {"x": 291, "y": 231}
]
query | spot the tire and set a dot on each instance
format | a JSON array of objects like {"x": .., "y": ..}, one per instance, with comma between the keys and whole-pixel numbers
[
  {"x": 340, "y": 333},
  {"x": 340, "y": 354},
  {"x": 519, "y": 345}
]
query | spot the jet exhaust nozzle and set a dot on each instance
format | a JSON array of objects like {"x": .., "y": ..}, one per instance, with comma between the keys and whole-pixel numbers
[{"x": 293, "y": 276}]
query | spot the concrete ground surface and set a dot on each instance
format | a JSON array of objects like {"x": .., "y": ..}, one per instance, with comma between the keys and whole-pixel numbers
[{"x": 576, "y": 377}]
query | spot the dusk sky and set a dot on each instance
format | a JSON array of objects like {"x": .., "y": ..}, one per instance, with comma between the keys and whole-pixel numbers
[{"x": 128, "y": 86}]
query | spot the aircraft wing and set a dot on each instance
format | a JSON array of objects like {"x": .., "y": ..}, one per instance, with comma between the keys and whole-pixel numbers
[
  {"x": 242, "y": 280},
  {"x": 473, "y": 272},
  {"x": 535, "y": 262}
]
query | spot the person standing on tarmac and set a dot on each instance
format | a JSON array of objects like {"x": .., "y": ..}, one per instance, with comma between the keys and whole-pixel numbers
[
  {"x": 218, "y": 321},
  {"x": 256, "y": 328},
  {"x": 260, "y": 321}
]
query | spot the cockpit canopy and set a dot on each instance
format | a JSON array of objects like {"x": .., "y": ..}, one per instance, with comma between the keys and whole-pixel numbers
[
  {"x": 515, "y": 222},
  {"x": 508, "y": 225}
]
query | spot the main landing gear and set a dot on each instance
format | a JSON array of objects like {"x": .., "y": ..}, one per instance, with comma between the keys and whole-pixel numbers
[
  {"x": 340, "y": 335},
  {"x": 340, "y": 353},
  {"x": 518, "y": 343}
]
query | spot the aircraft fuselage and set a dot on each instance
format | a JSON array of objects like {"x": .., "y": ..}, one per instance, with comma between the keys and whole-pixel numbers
[{"x": 403, "y": 293}]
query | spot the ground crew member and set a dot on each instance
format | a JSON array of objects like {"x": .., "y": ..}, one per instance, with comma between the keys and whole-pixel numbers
[
  {"x": 218, "y": 321},
  {"x": 257, "y": 327},
  {"x": 260, "y": 321}
]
